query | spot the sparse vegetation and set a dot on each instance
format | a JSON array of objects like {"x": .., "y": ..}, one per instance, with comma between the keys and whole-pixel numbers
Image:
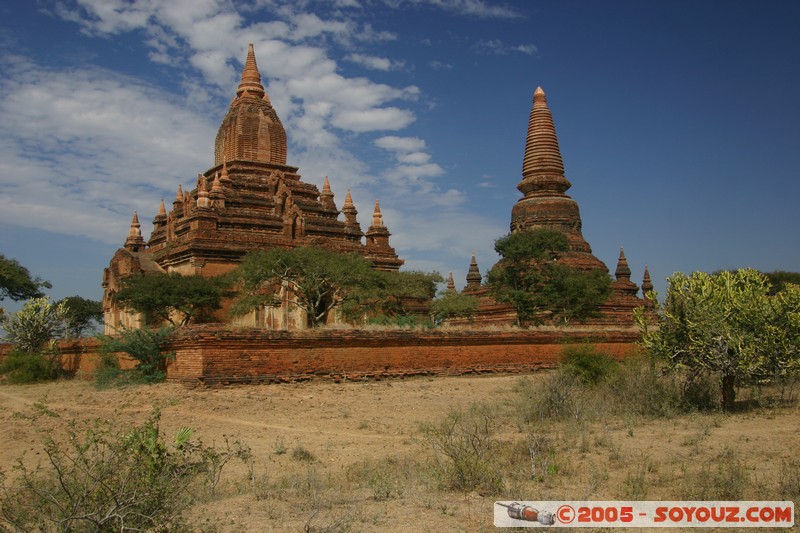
[
  {"x": 104, "y": 479},
  {"x": 464, "y": 446},
  {"x": 33, "y": 330},
  {"x": 145, "y": 346},
  {"x": 627, "y": 431}
]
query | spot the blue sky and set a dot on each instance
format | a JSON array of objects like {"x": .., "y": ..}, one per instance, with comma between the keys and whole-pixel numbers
[{"x": 679, "y": 122}]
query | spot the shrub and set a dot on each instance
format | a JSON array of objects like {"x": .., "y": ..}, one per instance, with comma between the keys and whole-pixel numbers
[
  {"x": 730, "y": 480},
  {"x": 588, "y": 364},
  {"x": 464, "y": 445},
  {"x": 144, "y": 345},
  {"x": 33, "y": 331},
  {"x": 105, "y": 480},
  {"x": 640, "y": 387},
  {"x": 558, "y": 396},
  {"x": 301, "y": 454},
  {"x": 22, "y": 367}
]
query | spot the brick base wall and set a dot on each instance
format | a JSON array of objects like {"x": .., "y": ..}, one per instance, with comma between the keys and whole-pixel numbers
[
  {"x": 218, "y": 356},
  {"x": 215, "y": 355}
]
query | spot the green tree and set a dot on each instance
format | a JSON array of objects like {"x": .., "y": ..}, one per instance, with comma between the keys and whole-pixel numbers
[
  {"x": 16, "y": 281},
  {"x": 728, "y": 324},
  {"x": 319, "y": 279},
  {"x": 173, "y": 298},
  {"x": 81, "y": 315},
  {"x": 394, "y": 295},
  {"x": 33, "y": 330},
  {"x": 145, "y": 345},
  {"x": 530, "y": 277},
  {"x": 780, "y": 279},
  {"x": 452, "y": 304},
  {"x": 35, "y": 327}
]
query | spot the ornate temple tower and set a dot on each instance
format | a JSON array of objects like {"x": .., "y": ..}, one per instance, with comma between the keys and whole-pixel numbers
[
  {"x": 546, "y": 204},
  {"x": 251, "y": 130},
  {"x": 379, "y": 252},
  {"x": 249, "y": 200}
]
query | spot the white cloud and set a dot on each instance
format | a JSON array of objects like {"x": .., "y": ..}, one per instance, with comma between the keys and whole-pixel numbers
[
  {"x": 474, "y": 8},
  {"x": 414, "y": 158},
  {"x": 400, "y": 144},
  {"x": 374, "y": 62},
  {"x": 439, "y": 65},
  {"x": 82, "y": 149},
  {"x": 498, "y": 47},
  {"x": 376, "y": 119}
]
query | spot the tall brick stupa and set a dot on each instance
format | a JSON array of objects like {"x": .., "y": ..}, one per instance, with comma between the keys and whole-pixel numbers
[
  {"x": 546, "y": 205},
  {"x": 249, "y": 200}
]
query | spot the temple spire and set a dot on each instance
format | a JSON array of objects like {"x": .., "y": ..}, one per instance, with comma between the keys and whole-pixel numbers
[
  {"x": 326, "y": 196},
  {"x": 348, "y": 201},
  {"x": 203, "y": 201},
  {"x": 473, "y": 275},
  {"x": 379, "y": 251},
  {"x": 647, "y": 286},
  {"x": 224, "y": 178},
  {"x": 542, "y": 166},
  {"x": 251, "y": 78},
  {"x": 545, "y": 204},
  {"x": 451, "y": 284},
  {"x": 377, "y": 216},
  {"x": 352, "y": 226},
  {"x": 161, "y": 217},
  {"x": 134, "y": 242},
  {"x": 623, "y": 271}
]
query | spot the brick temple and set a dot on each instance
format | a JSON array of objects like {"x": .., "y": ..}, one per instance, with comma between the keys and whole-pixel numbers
[
  {"x": 249, "y": 200},
  {"x": 252, "y": 200},
  {"x": 545, "y": 204}
]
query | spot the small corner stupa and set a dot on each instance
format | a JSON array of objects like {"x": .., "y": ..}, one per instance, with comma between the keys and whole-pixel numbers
[{"x": 249, "y": 200}]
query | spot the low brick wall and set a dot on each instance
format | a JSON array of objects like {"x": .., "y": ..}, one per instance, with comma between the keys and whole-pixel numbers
[
  {"x": 79, "y": 357},
  {"x": 218, "y": 356}
]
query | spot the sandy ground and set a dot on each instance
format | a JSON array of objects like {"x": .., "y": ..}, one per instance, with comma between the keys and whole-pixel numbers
[{"x": 347, "y": 423}]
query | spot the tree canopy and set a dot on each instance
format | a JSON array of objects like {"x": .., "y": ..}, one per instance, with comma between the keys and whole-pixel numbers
[
  {"x": 780, "y": 279},
  {"x": 81, "y": 315},
  {"x": 322, "y": 280},
  {"x": 530, "y": 277},
  {"x": 452, "y": 304},
  {"x": 727, "y": 323},
  {"x": 34, "y": 328},
  {"x": 17, "y": 283},
  {"x": 173, "y": 298}
]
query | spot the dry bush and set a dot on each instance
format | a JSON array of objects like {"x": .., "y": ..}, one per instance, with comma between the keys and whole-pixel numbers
[
  {"x": 464, "y": 447},
  {"x": 102, "y": 479}
]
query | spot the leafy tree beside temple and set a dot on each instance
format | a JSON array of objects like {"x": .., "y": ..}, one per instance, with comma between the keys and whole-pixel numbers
[{"x": 530, "y": 277}]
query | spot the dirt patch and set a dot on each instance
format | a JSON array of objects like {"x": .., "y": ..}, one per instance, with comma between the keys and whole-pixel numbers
[{"x": 361, "y": 437}]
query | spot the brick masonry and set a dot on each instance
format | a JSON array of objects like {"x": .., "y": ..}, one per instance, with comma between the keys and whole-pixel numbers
[{"x": 216, "y": 355}]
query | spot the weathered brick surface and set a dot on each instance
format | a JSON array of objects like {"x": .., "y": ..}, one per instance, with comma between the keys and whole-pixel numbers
[
  {"x": 79, "y": 357},
  {"x": 217, "y": 356}
]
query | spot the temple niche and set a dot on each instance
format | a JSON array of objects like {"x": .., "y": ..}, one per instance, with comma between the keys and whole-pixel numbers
[
  {"x": 545, "y": 204},
  {"x": 249, "y": 200}
]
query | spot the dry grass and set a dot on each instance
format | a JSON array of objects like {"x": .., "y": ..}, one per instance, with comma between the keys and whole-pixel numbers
[{"x": 381, "y": 456}]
